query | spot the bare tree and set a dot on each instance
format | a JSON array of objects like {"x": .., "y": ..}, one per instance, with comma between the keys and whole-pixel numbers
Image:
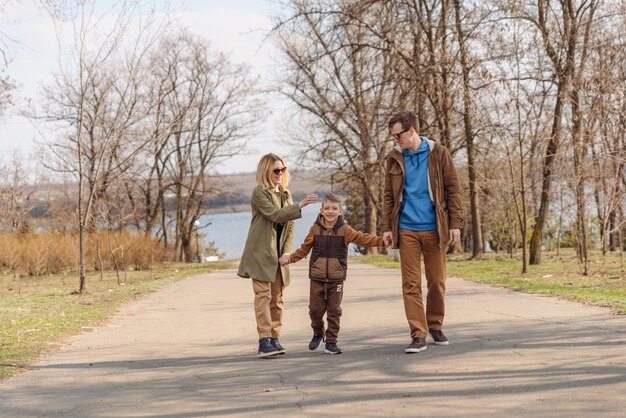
[
  {"x": 217, "y": 116},
  {"x": 561, "y": 25},
  {"x": 16, "y": 200},
  {"x": 578, "y": 140},
  {"x": 338, "y": 72},
  {"x": 607, "y": 131},
  {"x": 202, "y": 109},
  {"x": 469, "y": 134},
  {"x": 94, "y": 100}
]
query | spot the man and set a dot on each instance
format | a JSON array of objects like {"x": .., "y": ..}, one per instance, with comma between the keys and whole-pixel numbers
[{"x": 422, "y": 215}]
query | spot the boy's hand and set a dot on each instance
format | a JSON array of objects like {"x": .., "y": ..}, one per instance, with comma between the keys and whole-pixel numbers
[
  {"x": 284, "y": 259},
  {"x": 387, "y": 238}
]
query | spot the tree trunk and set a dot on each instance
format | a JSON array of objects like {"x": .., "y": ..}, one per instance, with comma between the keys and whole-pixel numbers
[
  {"x": 477, "y": 240},
  {"x": 618, "y": 193},
  {"x": 546, "y": 182},
  {"x": 579, "y": 178},
  {"x": 81, "y": 223},
  {"x": 370, "y": 217},
  {"x": 185, "y": 245}
]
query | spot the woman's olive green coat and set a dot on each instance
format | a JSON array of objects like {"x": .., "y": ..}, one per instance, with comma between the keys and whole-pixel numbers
[{"x": 260, "y": 256}]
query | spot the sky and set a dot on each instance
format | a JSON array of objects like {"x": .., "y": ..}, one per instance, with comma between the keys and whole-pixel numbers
[{"x": 236, "y": 27}]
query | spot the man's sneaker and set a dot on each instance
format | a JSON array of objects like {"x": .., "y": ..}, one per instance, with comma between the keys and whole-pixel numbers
[
  {"x": 417, "y": 345},
  {"x": 331, "y": 348},
  {"x": 266, "y": 349},
  {"x": 315, "y": 341},
  {"x": 438, "y": 337},
  {"x": 276, "y": 344}
]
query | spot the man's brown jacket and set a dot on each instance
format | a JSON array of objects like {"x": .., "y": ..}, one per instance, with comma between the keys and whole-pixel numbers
[{"x": 443, "y": 186}]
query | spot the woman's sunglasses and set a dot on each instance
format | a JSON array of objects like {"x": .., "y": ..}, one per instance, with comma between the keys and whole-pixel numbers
[{"x": 278, "y": 171}]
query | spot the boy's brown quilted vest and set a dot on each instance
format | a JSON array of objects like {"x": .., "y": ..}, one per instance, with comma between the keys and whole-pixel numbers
[{"x": 329, "y": 255}]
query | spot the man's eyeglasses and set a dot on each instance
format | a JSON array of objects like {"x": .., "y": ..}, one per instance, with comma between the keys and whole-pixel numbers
[
  {"x": 278, "y": 171},
  {"x": 396, "y": 136}
]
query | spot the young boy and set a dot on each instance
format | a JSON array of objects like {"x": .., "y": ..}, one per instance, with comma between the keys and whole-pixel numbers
[{"x": 329, "y": 238}]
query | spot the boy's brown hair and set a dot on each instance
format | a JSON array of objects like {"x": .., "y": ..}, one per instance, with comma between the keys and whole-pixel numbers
[{"x": 331, "y": 197}]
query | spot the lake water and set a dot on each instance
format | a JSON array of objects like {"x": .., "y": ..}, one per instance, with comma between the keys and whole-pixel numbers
[{"x": 229, "y": 230}]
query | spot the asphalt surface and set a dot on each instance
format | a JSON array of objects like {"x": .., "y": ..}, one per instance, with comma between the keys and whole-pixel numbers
[{"x": 189, "y": 350}]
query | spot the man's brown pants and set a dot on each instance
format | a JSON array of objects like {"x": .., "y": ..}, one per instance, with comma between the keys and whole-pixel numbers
[
  {"x": 325, "y": 298},
  {"x": 414, "y": 244}
]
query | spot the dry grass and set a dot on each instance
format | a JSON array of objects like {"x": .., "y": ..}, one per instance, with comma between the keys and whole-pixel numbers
[{"x": 37, "y": 254}]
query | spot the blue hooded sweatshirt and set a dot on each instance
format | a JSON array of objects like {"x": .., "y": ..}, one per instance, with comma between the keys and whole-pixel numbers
[{"x": 417, "y": 212}]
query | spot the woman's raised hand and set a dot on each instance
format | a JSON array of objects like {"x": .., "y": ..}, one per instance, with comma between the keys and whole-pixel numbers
[{"x": 309, "y": 199}]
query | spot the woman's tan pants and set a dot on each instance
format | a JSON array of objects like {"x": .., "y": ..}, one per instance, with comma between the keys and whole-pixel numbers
[{"x": 268, "y": 306}]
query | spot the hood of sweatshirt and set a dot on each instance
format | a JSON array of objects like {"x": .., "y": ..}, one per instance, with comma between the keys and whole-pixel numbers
[
  {"x": 321, "y": 221},
  {"x": 411, "y": 157}
]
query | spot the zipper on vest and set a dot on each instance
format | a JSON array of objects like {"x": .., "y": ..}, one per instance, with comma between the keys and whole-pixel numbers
[{"x": 328, "y": 253}]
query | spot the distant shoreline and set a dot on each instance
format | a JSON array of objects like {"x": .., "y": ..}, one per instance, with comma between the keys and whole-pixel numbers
[{"x": 243, "y": 207}]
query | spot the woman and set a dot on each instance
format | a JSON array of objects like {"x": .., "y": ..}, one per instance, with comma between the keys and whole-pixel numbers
[{"x": 270, "y": 235}]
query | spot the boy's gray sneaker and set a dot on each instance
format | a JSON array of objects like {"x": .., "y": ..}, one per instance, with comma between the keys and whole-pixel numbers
[
  {"x": 417, "y": 345},
  {"x": 331, "y": 348},
  {"x": 277, "y": 346},
  {"x": 315, "y": 341},
  {"x": 266, "y": 349},
  {"x": 438, "y": 337}
]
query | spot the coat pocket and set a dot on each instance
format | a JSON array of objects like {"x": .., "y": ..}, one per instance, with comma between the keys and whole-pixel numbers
[
  {"x": 318, "y": 269},
  {"x": 335, "y": 270}
]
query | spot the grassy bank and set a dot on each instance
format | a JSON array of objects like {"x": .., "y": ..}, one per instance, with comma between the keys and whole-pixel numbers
[
  {"x": 38, "y": 313},
  {"x": 557, "y": 276}
]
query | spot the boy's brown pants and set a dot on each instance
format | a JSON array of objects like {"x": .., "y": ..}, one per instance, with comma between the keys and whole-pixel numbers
[
  {"x": 325, "y": 298},
  {"x": 414, "y": 244},
  {"x": 268, "y": 306}
]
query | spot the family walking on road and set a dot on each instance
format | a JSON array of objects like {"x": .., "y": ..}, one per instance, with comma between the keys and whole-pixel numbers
[{"x": 421, "y": 215}]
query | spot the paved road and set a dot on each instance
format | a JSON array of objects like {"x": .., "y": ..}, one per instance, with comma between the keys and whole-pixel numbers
[{"x": 189, "y": 350}]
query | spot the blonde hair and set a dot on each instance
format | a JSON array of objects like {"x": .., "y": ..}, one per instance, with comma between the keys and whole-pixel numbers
[{"x": 264, "y": 171}]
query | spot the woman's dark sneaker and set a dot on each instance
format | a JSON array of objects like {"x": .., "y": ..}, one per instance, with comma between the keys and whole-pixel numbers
[
  {"x": 277, "y": 346},
  {"x": 438, "y": 337},
  {"x": 315, "y": 341},
  {"x": 266, "y": 349},
  {"x": 331, "y": 348}
]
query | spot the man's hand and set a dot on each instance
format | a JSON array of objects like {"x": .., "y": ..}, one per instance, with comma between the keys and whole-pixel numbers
[
  {"x": 284, "y": 259},
  {"x": 387, "y": 238},
  {"x": 455, "y": 236}
]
